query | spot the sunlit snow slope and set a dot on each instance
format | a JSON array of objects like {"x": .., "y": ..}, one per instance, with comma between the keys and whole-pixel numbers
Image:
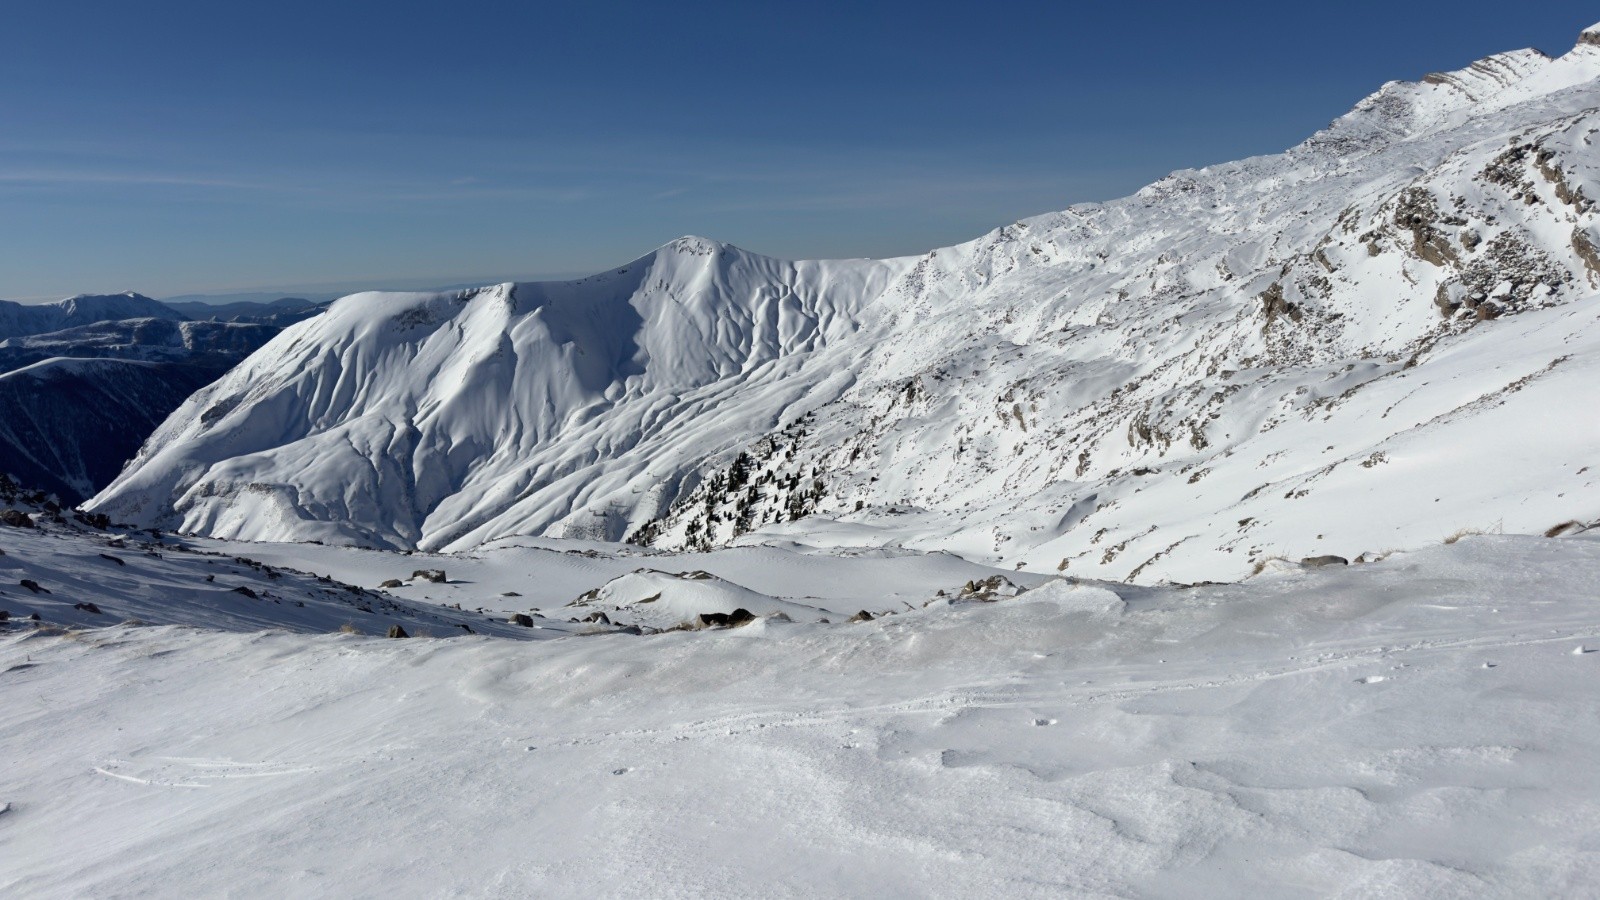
[{"x": 1377, "y": 338}]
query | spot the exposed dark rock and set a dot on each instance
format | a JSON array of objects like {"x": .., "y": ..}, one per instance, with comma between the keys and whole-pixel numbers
[
  {"x": 241, "y": 589},
  {"x": 113, "y": 559},
  {"x": 32, "y": 585},
  {"x": 862, "y": 616},
  {"x": 434, "y": 575},
  {"x": 395, "y": 631},
  {"x": 392, "y": 583},
  {"x": 16, "y": 518},
  {"x": 740, "y": 616},
  {"x": 89, "y": 608},
  {"x": 522, "y": 619}
]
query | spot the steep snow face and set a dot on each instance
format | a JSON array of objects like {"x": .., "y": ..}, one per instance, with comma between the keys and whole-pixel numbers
[
  {"x": 448, "y": 419},
  {"x": 1341, "y": 348},
  {"x": 17, "y": 319}
]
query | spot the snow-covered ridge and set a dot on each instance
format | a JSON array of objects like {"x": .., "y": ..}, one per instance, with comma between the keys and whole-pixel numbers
[
  {"x": 18, "y": 319},
  {"x": 1290, "y": 354}
]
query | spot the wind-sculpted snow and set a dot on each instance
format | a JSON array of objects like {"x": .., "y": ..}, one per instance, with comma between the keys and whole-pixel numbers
[
  {"x": 1377, "y": 338},
  {"x": 449, "y": 419},
  {"x": 1425, "y": 726}
]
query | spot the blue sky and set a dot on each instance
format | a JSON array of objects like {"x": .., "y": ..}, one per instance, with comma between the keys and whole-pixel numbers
[{"x": 184, "y": 147}]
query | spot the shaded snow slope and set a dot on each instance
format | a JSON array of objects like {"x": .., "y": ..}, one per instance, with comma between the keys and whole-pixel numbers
[
  {"x": 87, "y": 578},
  {"x": 1382, "y": 336},
  {"x": 68, "y": 425},
  {"x": 1423, "y": 726},
  {"x": 148, "y": 339}
]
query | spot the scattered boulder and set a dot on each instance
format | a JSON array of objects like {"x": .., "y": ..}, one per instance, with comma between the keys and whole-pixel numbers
[
  {"x": 16, "y": 518},
  {"x": 395, "y": 631},
  {"x": 241, "y": 589},
  {"x": 5, "y": 616},
  {"x": 510, "y": 594},
  {"x": 1317, "y": 562},
  {"x": 522, "y": 619},
  {"x": 392, "y": 583},
  {"x": 599, "y": 617},
  {"x": 114, "y": 559},
  {"x": 33, "y": 617},
  {"x": 89, "y": 608},
  {"x": 32, "y": 585},
  {"x": 862, "y": 616},
  {"x": 740, "y": 616},
  {"x": 989, "y": 589},
  {"x": 434, "y": 575}
]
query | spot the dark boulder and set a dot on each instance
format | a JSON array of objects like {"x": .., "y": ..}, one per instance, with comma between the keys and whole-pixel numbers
[
  {"x": 395, "y": 631},
  {"x": 16, "y": 518},
  {"x": 522, "y": 619},
  {"x": 434, "y": 575},
  {"x": 862, "y": 616},
  {"x": 89, "y": 608},
  {"x": 32, "y": 585}
]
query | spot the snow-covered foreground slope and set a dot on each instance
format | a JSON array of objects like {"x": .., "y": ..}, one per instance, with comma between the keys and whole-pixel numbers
[
  {"x": 1422, "y": 726},
  {"x": 1382, "y": 336},
  {"x": 70, "y": 576}
]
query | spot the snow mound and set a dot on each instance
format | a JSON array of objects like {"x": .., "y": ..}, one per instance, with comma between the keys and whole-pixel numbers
[{"x": 666, "y": 599}]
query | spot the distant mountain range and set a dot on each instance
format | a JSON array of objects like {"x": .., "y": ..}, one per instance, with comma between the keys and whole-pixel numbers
[{"x": 84, "y": 381}]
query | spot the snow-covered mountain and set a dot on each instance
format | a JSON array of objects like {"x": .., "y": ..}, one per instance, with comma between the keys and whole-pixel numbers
[
  {"x": 281, "y": 312},
  {"x": 146, "y": 339},
  {"x": 75, "y": 404},
  {"x": 19, "y": 319},
  {"x": 1380, "y": 337}
]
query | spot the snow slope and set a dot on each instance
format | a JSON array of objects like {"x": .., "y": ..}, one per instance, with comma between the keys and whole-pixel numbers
[
  {"x": 1422, "y": 726},
  {"x": 148, "y": 339},
  {"x": 1382, "y": 336},
  {"x": 93, "y": 578},
  {"x": 68, "y": 425}
]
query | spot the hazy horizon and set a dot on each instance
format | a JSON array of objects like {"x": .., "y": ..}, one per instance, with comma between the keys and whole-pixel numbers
[{"x": 224, "y": 151}]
